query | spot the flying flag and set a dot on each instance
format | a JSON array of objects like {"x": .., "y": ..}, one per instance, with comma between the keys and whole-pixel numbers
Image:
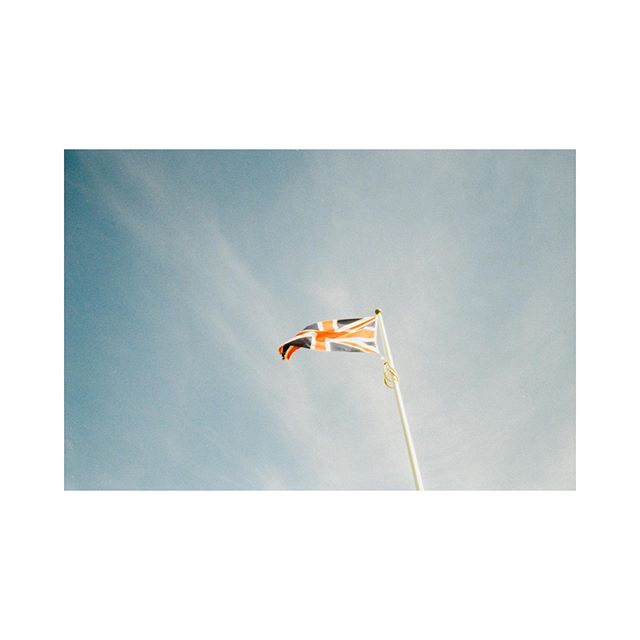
[
  {"x": 357, "y": 334},
  {"x": 353, "y": 334}
]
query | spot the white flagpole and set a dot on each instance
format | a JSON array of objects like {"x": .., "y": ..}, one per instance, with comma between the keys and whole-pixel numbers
[{"x": 403, "y": 416}]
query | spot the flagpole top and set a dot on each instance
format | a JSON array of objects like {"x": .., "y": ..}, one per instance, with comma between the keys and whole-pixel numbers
[{"x": 378, "y": 311}]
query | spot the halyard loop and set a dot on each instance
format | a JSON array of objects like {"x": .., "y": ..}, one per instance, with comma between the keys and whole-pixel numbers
[{"x": 390, "y": 375}]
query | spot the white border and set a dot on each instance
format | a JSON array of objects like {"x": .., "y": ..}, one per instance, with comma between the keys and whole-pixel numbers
[{"x": 318, "y": 565}]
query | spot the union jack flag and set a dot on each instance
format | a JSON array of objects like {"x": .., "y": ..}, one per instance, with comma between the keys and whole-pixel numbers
[{"x": 353, "y": 334}]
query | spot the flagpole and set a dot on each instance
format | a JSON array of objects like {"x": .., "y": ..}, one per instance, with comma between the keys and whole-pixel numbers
[{"x": 403, "y": 416}]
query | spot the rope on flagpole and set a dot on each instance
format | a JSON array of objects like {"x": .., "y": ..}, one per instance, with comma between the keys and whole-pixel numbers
[{"x": 390, "y": 375}]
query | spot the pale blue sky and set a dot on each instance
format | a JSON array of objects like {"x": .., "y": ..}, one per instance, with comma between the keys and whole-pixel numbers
[{"x": 185, "y": 270}]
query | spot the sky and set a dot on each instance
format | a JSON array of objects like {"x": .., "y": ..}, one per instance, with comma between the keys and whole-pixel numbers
[{"x": 184, "y": 271}]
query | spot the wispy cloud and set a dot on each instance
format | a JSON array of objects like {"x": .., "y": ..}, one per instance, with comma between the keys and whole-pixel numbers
[
  {"x": 346, "y": 233},
  {"x": 234, "y": 307}
]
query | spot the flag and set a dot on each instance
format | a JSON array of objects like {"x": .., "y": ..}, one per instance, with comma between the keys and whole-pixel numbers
[{"x": 353, "y": 334}]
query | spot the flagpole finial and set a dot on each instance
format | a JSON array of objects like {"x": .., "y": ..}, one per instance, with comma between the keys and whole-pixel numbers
[{"x": 378, "y": 311}]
